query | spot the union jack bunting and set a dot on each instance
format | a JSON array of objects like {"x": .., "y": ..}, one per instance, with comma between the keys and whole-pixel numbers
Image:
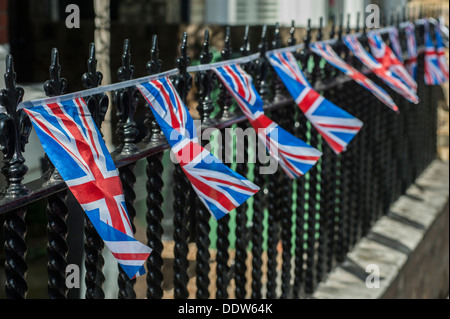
[
  {"x": 395, "y": 43},
  {"x": 380, "y": 69},
  {"x": 440, "y": 50},
  {"x": 411, "y": 63},
  {"x": 326, "y": 51},
  {"x": 219, "y": 188},
  {"x": 295, "y": 157},
  {"x": 383, "y": 54},
  {"x": 336, "y": 126},
  {"x": 434, "y": 74},
  {"x": 73, "y": 143}
]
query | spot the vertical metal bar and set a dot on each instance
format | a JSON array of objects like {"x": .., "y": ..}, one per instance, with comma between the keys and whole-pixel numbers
[
  {"x": 285, "y": 202},
  {"x": 126, "y": 101},
  {"x": 301, "y": 212},
  {"x": 259, "y": 203},
  {"x": 57, "y": 210},
  {"x": 243, "y": 231},
  {"x": 319, "y": 186},
  {"x": 222, "y": 257},
  {"x": 225, "y": 102},
  {"x": 93, "y": 245},
  {"x": 155, "y": 199},
  {"x": 274, "y": 191},
  {"x": 181, "y": 188},
  {"x": 205, "y": 85},
  {"x": 15, "y": 128}
]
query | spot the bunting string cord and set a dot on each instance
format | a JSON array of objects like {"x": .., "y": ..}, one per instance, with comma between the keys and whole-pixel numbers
[
  {"x": 97, "y": 90},
  {"x": 173, "y": 72}
]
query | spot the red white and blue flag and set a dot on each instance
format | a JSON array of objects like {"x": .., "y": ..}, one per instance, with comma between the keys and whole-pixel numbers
[
  {"x": 73, "y": 143},
  {"x": 395, "y": 43},
  {"x": 383, "y": 71},
  {"x": 335, "y": 125},
  {"x": 411, "y": 44},
  {"x": 434, "y": 71},
  {"x": 440, "y": 50},
  {"x": 326, "y": 51},
  {"x": 219, "y": 188},
  {"x": 295, "y": 157},
  {"x": 383, "y": 54}
]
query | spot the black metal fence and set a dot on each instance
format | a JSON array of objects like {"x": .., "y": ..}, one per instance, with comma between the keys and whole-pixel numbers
[{"x": 288, "y": 238}]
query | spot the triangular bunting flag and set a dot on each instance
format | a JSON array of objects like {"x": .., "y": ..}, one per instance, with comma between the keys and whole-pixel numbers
[
  {"x": 73, "y": 143},
  {"x": 219, "y": 188},
  {"x": 434, "y": 73},
  {"x": 380, "y": 69},
  {"x": 295, "y": 157},
  {"x": 326, "y": 51},
  {"x": 384, "y": 55},
  {"x": 335, "y": 125},
  {"x": 440, "y": 51},
  {"x": 395, "y": 43},
  {"x": 411, "y": 63}
]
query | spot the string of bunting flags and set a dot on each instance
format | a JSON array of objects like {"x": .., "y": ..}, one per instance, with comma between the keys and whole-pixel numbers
[{"x": 75, "y": 146}]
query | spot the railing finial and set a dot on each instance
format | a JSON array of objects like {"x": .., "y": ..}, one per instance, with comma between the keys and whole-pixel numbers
[
  {"x": 358, "y": 18},
  {"x": 292, "y": 40},
  {"x": 205, "y": 85},
  {"x": 225, "y": 101},
  {"x": 227, "y": 50},
  {"x": 126, "y": 102},
  {"x": 15, "y": 129},
  {"x": 245, "y": 48},
  {"x": 333, "y": 26},
  {"x": 206, "y": 56},
  {"x": 276, "y": 43},
  {"x": 153, "y": 67},
  {"x": 155, "y": 64},
  {"x": 92, "y": 78},
  {"x": 349, "y": 30},
  {"x": 263, "y": 46},
  {"x": 320, "y": 30},
  {"x": 341, "y": 26},
  {"x": 307, "y": 38},
  {"x": 56, "y": 85}
]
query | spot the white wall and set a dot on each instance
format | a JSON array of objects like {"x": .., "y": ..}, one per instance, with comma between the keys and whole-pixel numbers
[
  {"x": 352, "y": 7},
  {"x": 242, "y": 12}
]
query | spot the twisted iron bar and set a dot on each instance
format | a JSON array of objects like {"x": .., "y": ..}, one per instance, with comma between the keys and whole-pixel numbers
[
  {"x": 57, "y": 210},
  {"x": 181, "y": 190},
  {"x": 204, "y": 83},
  {"x": 285, "y": 202},
  {"x": 126, "y": 102},
  {"x": 242, "y": 230},
  {"x": 15, "y": 128},
  {"x": 93, "y": 244},
  {"x": 154, "y": 186}
]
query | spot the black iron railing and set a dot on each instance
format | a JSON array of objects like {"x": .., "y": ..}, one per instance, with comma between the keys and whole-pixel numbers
[{"x": 311, "y": 223}]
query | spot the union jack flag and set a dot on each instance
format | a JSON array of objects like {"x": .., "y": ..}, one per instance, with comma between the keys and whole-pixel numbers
[
  {"x": 380, "y": 69},
  {"x": 336, "y": 126},
  {"x": 411, "y": 63},
  {"x": 219, "y": 188},
  {"x": 383, "y": 54},
  {"x": 434, "y": 73},
  {"x": 440, "y": 51},
  {"x": 326, "y": 51},
  {"x": 73, "y": 143},
  {"x": 295, "y": 157},
  {"x": 395, "y": 43}
]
